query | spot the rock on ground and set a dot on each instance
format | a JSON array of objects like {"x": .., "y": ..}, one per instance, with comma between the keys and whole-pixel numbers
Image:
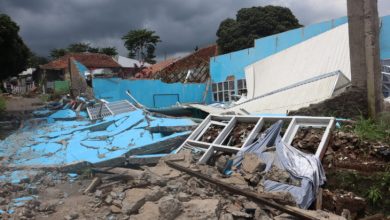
[
  {"x": 201, "y": 209},
  {"x": 135, "y": 199}
]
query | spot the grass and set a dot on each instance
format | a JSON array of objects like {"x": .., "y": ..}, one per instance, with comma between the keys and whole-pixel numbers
[
  {"x": 374, "y": 130},
  {"x": 374, "y": 187},
  {"x": 374, "y": 195}
]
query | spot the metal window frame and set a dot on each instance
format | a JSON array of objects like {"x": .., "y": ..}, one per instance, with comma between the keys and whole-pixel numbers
[
  {"x": 230, "y": 91},
  {"x": 295, "y": 122}
]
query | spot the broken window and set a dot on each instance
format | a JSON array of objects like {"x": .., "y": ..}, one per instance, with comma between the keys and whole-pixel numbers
[
  {"x": 241, "y": 87},
  {"x": 223, "y": 91}
]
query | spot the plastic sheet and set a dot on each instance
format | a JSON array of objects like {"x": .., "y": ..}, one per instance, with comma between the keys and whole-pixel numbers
[{"x": 305, "y": 167}]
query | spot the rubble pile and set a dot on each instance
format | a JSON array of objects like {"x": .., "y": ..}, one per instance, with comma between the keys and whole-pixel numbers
[
  {"x": 239, "y": 134},
  {"x": 347, "y": 150},
  {"x": 307, "y": 139},
  {"x": 158, "y": 192},
  {"x": 211, "y": 133},
  {"x": 340, "y": 202}
]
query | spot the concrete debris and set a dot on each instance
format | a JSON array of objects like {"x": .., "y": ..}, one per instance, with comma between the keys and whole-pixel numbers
[
  {"x": 201, "y": 209},
  {"x": 307, "y": 139},
  {"x": 135, "y": 199},
  {"x": 107, "y": 185},
  {"x": 239, "y": 134},
  {"x": 252, "y": 163},
  {"x": 338, "y": 202},
  {"x": 169, "y": 208},
  {"x": 211, "y": 133}
]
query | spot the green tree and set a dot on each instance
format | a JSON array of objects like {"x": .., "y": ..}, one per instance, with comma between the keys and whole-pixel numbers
[
  {"x": 82, "y": 48},
  {"x": 141, "y": 44},
  {"x": 253, "y": 23},
  {"x": 110, "y": 51},
  {"x": 14, "y": 53},
  {"x": 57, "y": 53},
  {"x": 78, "y": 47},
  {"x": 93, "y": 49},
  {"x": 35, "y": 60}
]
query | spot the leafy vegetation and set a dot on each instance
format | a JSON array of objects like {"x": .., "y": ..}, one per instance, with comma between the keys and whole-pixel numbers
[
  {"x": 14, "y": 53},
  {"x": 81, "y": 48},
  {"x": 374, "y": 195},
  {"x": 373, "y": 130},
  {"x": 375, "y": 187},
  {"x": 141, "y": 44},
  {"x": 253, "y": 23}
]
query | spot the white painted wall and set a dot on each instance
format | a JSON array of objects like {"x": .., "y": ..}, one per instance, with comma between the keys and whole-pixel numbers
[{"x": 322, "y": 54}]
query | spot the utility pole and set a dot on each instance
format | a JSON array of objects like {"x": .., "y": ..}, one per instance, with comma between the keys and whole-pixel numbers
[{"x": 364, "y": 46}]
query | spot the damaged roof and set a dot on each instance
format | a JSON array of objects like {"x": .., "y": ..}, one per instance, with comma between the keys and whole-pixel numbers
[
  {"x": 153, "y": 69},
  {"x": 177, "y": 69},
  {"x": 90, "y": 60},
  {"x": 191, "y": 68}
]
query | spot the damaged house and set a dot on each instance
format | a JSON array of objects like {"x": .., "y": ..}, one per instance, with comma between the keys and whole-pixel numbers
[
  {"x": 169, "y": 83},
  {"x": 54, "y": 76}
]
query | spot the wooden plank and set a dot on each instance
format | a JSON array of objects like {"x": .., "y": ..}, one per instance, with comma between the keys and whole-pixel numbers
[
  {"x": 256, "y": 197},
  {"x": 319, "y": 199}
]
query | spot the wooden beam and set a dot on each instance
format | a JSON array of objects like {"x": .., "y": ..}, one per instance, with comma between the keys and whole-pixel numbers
[{"x": 251, "y": 195}]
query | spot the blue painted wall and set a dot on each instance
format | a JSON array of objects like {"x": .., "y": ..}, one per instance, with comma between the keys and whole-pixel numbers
[
  {"x": 235, "y": 62},
  {"x": 385, "y": 37},
  {"x": 151, "y": 93}
]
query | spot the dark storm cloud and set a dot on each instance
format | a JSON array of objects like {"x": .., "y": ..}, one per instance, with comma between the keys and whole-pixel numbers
[{"x": 181, "y": 24}]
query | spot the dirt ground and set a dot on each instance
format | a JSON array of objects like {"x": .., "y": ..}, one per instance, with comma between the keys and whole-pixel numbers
[{"x": 18, "y": 103}]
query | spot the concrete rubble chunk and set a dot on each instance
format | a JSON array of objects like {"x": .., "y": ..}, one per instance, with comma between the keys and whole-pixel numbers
[
  {"x": 149, "y": 211},
  {"x": 72, "y": 216},
  {"x": 155, "y": 194},
  {"x": 135, "y": 199},
  {"x": 183, "y": 197},
  {"x": 226, "y": 216},
  {"x": 115, "y": 209},
  {"x": 236, "y": 180},
  {"x": 201, "y": 209},
  {"x": 252, "y": 163},
  {"x": 169, "y": 208}
]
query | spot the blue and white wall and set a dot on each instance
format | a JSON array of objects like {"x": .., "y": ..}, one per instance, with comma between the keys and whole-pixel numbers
[
  {"x": 385, "y": 37},
  {"x": 234, "y": 63},
  {"x": 150, "y": 93}
]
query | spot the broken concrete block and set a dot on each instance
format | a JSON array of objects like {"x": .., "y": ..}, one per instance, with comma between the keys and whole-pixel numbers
[
  {"x": 155, "y": 194},
  {"x": 149, "y": 211},
  {"x": 236, "y": 180},
  {"x": 183, "y": 197},
  {"x": 135, "y": 199},
  {"x": 169, "y": 208},
  {"x": 226, "y": 216},
  {"x": 252, "y": 163},
  {"x": 115, "y": 209},
  {"x": 72, "y": 216},
  {"x": 220, "y": 163},
  {"x": 108, "y": 200},
  {"x": 201, "y": 209},
  {"x": 239, "y": 214}
]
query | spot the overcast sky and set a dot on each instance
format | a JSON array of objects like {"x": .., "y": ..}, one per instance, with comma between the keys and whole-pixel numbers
[{"x": 181, "y": 24}]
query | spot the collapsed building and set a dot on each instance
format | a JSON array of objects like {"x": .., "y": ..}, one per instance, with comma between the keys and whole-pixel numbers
[{"x": 148, "y": 165}]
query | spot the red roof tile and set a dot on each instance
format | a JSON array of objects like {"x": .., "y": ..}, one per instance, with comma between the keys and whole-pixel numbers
[
  {"x": 90, "y": 60},
  {"x": 175, "y": 65}
]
